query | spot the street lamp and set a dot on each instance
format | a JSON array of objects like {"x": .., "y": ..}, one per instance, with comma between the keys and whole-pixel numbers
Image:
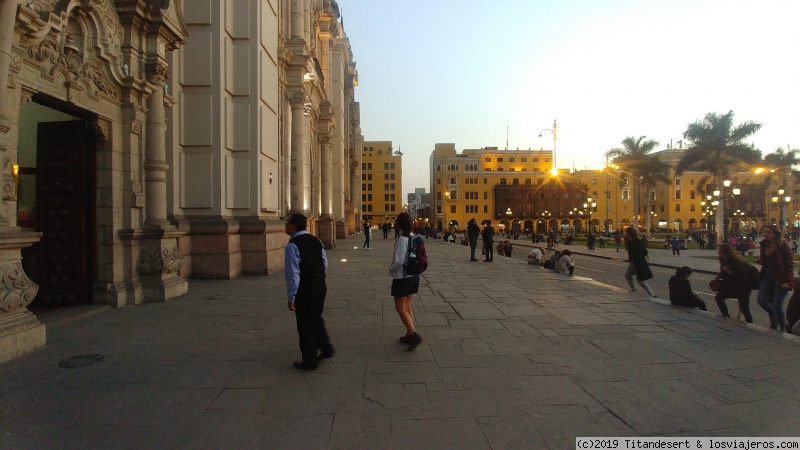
[
  {"x": 553, "y": 131},
  {"x": 784, "y": 203},
  {"x": 508, "y": 215},
  {"x": 444, "y": 210}
]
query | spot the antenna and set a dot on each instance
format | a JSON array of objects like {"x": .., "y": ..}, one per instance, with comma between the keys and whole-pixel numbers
[{"x": 506, "y": 137}]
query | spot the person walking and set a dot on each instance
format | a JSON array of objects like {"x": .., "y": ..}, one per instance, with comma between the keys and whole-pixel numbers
[
  {"x": 472, "y": 233},
  {"x": 385, "y": 229},
  {"x": 617, "y": 240},
  {"x": 676, "y": 246},
  {"x": 305, "y": 268},
  {"x": 637, "y": 262},
  {"x": 777, "y": 268},
  {"x": 366, "y": 227},
  {"x": 488, "y": 241},
  {"x": 733, "y": 282},
  {"x": 404, "y": 286}
]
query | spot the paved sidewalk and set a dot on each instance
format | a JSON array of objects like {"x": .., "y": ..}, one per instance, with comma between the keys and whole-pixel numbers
[{"x": 514, "y": 357}]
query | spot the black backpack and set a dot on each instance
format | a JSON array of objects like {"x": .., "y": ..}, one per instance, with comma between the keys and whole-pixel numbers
[{"x": 417, "y": 260}]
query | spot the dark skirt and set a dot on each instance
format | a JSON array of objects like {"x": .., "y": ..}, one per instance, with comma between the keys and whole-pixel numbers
[{"x": 403, "y": 287}]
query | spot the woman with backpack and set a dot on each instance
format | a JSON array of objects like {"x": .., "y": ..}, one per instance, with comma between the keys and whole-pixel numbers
[
  {"x": 733, "y": 282},
  {"x": 777, "y": 268},
  {"x": 404, "y": 286}
]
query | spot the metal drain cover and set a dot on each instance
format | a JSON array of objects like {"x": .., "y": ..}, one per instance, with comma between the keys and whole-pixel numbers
[{"x": 80, "y": 361}]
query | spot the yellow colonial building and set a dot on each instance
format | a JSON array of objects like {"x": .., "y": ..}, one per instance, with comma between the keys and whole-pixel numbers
[
  {"x": 752, "y": 198},
  {"x": 497, "y": 185},
  {"x": 515, "y": 190},
  {"x": 381, "y": 181}
]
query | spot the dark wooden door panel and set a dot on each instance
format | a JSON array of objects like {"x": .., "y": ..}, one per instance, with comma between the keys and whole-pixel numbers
[{"x": 64, "y": 212}]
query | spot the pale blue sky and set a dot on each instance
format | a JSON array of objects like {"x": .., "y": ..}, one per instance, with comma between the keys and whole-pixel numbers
[{"x": 435, "y": 71}]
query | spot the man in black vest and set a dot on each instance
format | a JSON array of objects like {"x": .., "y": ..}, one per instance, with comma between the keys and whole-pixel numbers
[{"x": 305, "y": 269}]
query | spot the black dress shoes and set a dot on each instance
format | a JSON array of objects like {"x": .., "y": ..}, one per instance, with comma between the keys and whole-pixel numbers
[
  {"x": 326, "y": 355},
  {"x": 302, "y": 365}
]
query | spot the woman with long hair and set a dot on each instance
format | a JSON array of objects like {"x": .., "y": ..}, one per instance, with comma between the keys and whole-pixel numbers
[
  {"x": 637, "y": 262},
  {"x": 404, "y": 286},
  {"x": 733, "y": 282},
  {"x": 776, "y": 275}
]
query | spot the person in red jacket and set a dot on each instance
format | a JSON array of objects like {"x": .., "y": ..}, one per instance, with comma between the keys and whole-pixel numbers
[{"x": 777, "y": 268}]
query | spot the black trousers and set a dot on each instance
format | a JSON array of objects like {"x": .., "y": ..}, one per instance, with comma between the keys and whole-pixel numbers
[
  {"x": 308, "y": 304},
  {"x": 489, "y": 250},
  {"x": 744, "y": 304},
  {"x": 473, "y": 244}
]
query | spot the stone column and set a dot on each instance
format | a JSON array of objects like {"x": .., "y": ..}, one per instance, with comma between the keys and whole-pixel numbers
[
  {"x": 298, "y": 19},
  {"x": 300, "y": 200},
  {"x": 155, "y": 166},
  {"x": 158, "y": 262},
  {"x": 326, "y": 225}
]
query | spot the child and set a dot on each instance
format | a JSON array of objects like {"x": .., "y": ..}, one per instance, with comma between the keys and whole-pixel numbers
[{"x": 680, "y": 290}]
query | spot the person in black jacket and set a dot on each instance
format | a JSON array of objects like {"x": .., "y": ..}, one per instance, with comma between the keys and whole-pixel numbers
[
  {"x": 637, "y": 262},
  {"x": 488, "y": 241},
  {"x": 680, "y": 290},
  {"x": 305, "y": 268},
  {"x": 472, "y": 233},
  {"x": 733, "y": 282}
]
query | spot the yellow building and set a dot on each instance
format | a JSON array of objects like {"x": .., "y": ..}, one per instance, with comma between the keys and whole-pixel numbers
[
  {"x": 463, "y": 185},
  {"x": 381, "y": 181},
  {"x": 514, "y": 189},
  {"x": 753, "y": 199}
]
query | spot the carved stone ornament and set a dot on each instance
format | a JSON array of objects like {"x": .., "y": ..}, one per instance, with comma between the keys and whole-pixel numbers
[
  {"x": 153, "y": 261},
  {"x": 172, "y": 259},
  {"x": 150, "y": 262},
  {"x": 297, "y": 100},
  {"x": 17, "y": 290},
  {"x": 157, "y": 73},
  {"x": 46, "y": 41}
]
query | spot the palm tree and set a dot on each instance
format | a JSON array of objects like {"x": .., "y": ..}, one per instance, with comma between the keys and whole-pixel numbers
[
  {"x": 783, "y": 161},
  {"x": 631, "y": 157},
  {"x": 719, "y": 148},
  {"x": 652, "y": 171}
]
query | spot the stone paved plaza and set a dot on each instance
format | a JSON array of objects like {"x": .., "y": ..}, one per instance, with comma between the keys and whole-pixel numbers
[{"x": 514, "y": 357}]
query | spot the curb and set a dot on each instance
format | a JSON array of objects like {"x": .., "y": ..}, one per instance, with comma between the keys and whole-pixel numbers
[{"x": 595, "y": 255}]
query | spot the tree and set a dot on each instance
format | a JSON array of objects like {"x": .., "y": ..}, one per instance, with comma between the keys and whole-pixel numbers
[
  {"x": 783, "y": 161},
  {"x": 718, "y": 147},
  {"x": 631, "y": 158},
  {"x": 652, "y": 171}
]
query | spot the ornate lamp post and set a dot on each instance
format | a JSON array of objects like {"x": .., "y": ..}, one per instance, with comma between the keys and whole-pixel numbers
[{"x": 554, "y": 132}]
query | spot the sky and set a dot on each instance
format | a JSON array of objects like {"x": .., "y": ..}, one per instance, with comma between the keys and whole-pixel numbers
[{"x": 496, "y": 74}]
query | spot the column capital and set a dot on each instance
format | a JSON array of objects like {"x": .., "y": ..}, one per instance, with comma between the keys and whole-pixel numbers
[{"x": 157, "y": 73}]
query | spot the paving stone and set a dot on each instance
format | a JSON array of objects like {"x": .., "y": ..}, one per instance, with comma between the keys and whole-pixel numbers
[{"x": 530, "y": 365}]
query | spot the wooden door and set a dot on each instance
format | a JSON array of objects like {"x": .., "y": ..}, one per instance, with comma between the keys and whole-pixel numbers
[{"x": 65, "y": 185}]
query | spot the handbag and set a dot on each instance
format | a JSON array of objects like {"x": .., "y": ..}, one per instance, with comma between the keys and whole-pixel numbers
[
  {"x": 714, "y": 284},
  {"x": 483, "y": 249}
]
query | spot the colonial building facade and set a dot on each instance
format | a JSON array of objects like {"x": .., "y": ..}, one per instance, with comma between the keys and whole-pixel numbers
[
  {"x": 146, "y": 141},
  {"x": 515, "y": 190},
  {"x": 381, "y": 181}
]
